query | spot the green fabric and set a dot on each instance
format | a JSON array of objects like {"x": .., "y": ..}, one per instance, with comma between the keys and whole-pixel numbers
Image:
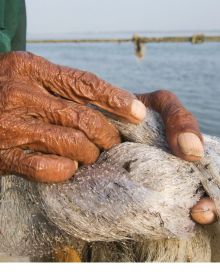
[{"x": 12, "y": 25}]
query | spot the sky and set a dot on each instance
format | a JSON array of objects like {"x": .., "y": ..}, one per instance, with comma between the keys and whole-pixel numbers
[{"x": 69, "y": 16}]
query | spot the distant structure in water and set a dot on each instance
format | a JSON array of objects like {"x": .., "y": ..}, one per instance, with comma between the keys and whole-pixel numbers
[
  {"x": 139, "y": 46},
  {"x": 139, "y": 42}
]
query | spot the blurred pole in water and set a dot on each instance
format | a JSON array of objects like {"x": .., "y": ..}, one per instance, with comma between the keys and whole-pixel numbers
[{"x": 139, "y": 46}]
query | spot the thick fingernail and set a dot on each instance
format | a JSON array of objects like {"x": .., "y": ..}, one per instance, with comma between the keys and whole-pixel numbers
[
  {"x": 190, "y": 144},
  {"x": 76, "y": 164},
  {"x": 138, "y": 110},
  {"x": 204, "y": 212}
]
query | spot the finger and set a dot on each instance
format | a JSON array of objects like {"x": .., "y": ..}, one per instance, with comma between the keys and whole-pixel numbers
[
  {"x": 37, "y": 167},
  {"x": 63, "y": 141},
  {"x": 21, "y": 130},
  {"x": 66, "y": 113},
  {"x": 91, "y": 122},
  {"x": 204, "y": 212},
  {"x": 182, "y": 130},
  {"x": 80, "y": 86}
]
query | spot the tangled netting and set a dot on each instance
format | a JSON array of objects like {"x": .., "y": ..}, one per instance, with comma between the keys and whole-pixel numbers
[{"x": 132, "y": 205}]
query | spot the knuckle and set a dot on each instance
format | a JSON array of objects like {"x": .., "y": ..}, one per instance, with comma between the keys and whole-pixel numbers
[
  {"x": 88, "y": 118},
  {"x": 98, "y": 129},
  {"x": 39, "y": 166},
  {"x": 10, "y": 96},
  {"x": 39, "y": 169},
  {"x": 15, "y": 57},
  {"x": 16, "y": 61},
  {"x": 166, "y": 93},
  {"x": 88, "y": 85}
]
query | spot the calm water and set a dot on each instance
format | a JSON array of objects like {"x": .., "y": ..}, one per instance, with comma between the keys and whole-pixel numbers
[{"x": 191, "y": 71}]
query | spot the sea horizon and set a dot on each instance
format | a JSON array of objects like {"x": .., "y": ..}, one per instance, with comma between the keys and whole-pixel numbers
[{"x": 121, "y": 34}]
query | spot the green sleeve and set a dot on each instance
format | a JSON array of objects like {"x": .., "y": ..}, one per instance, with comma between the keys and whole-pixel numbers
[{"x": 12, "y": 25}]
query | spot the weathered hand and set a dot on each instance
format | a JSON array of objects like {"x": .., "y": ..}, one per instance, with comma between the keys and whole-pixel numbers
[
  {"x": 43, "y": 111},
  {"x": 45, "y": 127},
  {"x": 185, "y": 141},
  {"x": 182, "y": 130}
]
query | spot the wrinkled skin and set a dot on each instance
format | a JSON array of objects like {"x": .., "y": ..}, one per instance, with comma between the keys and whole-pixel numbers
[{"x": 46, "y": 129}]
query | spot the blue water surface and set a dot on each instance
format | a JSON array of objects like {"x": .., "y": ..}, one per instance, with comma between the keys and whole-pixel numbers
[{"x": 190, "y": 71}]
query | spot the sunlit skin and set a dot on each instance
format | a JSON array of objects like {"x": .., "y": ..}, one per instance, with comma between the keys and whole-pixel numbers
[
  {"x": 204, "y": 212},
  {"x": 43, "y": 110}
]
